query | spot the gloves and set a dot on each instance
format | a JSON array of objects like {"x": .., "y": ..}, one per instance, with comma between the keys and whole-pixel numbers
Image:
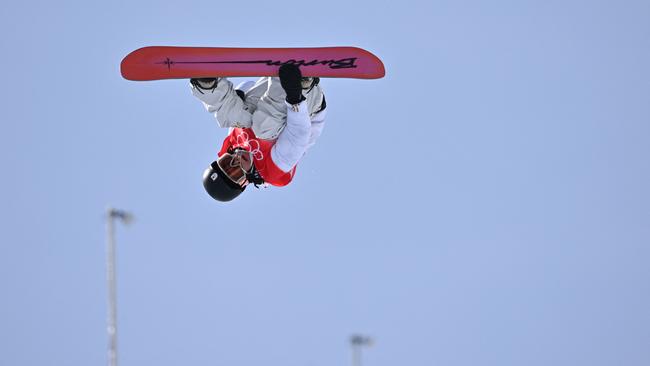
[
  {"x": 204, "y": 83},
  {"x": 290, "y": 79}
]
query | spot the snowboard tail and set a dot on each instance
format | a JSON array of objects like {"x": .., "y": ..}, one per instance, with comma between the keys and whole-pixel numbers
[{"x": 165, "y": 62}]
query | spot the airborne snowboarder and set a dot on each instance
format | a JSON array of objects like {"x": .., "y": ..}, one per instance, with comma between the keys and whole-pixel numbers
[
  {"x": 272, "y": 124},
  {"x": 273, "y": 121}
]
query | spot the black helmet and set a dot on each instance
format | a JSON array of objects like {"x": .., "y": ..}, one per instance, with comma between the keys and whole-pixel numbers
[{"x": 218, "y": 185}]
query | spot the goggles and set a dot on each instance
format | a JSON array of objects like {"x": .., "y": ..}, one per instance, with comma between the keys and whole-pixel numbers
[{"x": 235, "y": 165}]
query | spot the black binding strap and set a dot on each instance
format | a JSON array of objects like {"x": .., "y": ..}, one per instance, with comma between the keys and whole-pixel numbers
[{"x": 196, "y": 84}]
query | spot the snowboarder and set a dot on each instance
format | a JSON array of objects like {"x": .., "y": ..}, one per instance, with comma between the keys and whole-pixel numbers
[{"x": 272, "y": 124}]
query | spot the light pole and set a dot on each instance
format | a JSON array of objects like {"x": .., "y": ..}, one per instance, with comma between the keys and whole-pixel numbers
[
  {"x": 357, "y": 341},
  {"x": 126, "y": 218}
]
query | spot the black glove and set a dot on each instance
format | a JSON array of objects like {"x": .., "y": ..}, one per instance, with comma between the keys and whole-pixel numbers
[
  {"x": 290, "y": 77},
  {"x": 204, "y": 83}
]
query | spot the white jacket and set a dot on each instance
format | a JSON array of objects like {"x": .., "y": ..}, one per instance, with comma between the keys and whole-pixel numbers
[{"x": 265, "y": 111}]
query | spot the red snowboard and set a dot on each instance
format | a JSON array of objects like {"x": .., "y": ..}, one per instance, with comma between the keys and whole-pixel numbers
[{"x": 161, "y": 62}]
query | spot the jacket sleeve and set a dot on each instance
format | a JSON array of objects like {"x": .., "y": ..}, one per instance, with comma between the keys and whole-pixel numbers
[
  {"x": 224, "y": 103},
  {"x": 293, "y": 141}
]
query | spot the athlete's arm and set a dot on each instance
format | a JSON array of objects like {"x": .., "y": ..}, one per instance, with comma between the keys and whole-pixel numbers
[{"x": 293, "y": 141}]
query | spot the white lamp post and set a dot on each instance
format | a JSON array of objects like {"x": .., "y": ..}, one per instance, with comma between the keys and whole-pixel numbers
[
  {"x": 126, "y": 218},
  {"x": 357, "y": 341}
]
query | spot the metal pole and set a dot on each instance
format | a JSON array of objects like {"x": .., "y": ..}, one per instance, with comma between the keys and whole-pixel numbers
[
  {"x": 125, "y": 217},
  {"x": 357, "y": 341},
  {"x": 356, "y": 355},
  {"x": 110, "y": 277}
]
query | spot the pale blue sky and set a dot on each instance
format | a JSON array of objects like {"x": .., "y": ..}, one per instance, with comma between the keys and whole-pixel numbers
[{"x": 496, "y": 213}]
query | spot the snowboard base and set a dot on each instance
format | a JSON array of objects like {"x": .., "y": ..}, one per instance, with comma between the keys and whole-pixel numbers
[{"x": 166, "y": 62}]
